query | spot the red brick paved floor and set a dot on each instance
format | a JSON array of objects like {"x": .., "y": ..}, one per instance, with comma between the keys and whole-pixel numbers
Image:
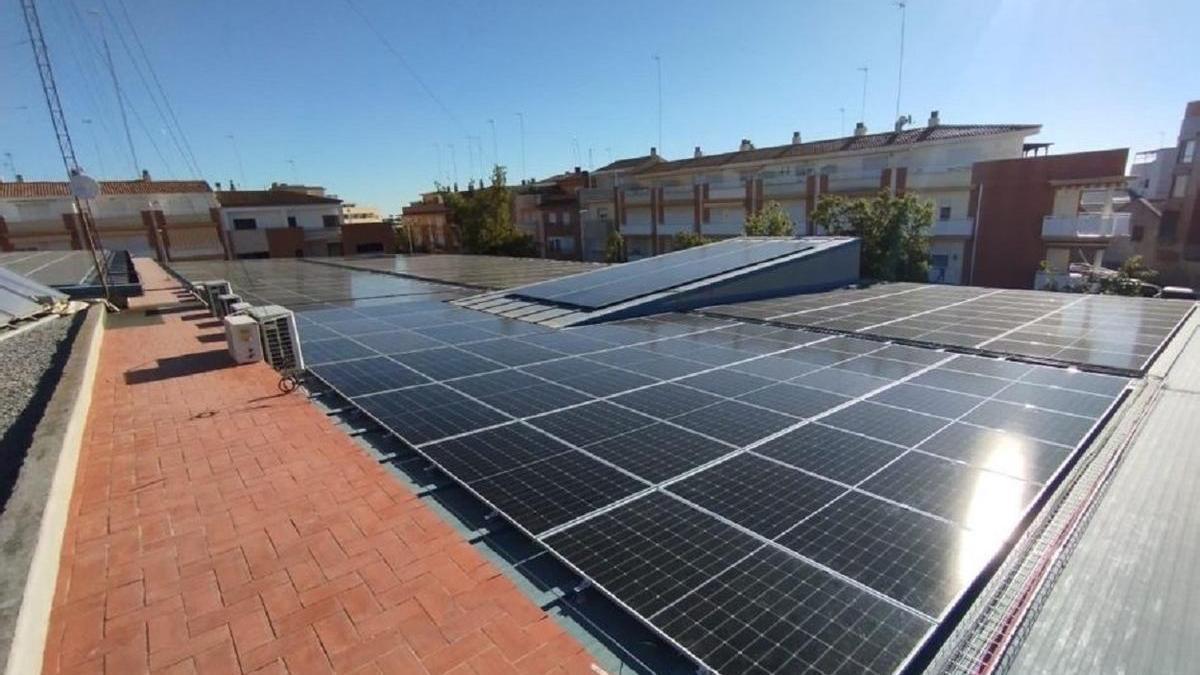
[{"x": 217, "y": 526}]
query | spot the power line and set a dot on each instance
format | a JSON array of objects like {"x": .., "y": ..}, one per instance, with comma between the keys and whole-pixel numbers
[
  {"x": 162, "y": 91},
  {"x": 407, "y": 66},
  {"x": 112, "y": 71}
]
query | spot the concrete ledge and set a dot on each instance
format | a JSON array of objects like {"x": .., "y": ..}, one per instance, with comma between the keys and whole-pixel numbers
[{"x": 32, "y": 527}]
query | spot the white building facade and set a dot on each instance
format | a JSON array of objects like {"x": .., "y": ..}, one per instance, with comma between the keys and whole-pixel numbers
[
  {"x": 280, "y": 223},
  {"x": 650, "y": 200}
]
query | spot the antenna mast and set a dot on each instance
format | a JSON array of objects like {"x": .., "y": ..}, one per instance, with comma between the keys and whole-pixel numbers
[{"x": 41, "y": 57}]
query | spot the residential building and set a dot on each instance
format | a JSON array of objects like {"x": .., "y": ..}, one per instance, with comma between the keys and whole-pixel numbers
[
  {"x": 360, "y": 213},
  {"x": 164, "y": 219},
  {"x": 650, "y": 199},
  {"x": 280, "y": 223},
  {"x": 1166, "y": 228},
  {"x": 1151, "y": 173},
  {"x": 1060, "y": 209},
  {"x": 427, "y": 225},
  {"x": 549, "y": 211}
]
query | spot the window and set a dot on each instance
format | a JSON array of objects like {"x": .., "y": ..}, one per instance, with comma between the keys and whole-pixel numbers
[
  {"x": 944, "y": 213},
  {"x": 292, "y": 221},
  {"x": 1137, "y": 232},
  {"x": 245, "y": 224},
  {"x": 372, "y": 247},
  {"x": 330, "y": 221},
  {"x": 1179, "y": 187},
  {"x": 1167, "y": 227},
  {"x": 1189, "y": 151}
]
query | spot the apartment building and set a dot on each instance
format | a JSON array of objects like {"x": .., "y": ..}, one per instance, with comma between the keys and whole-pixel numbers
[
  {"x": 427, "y": 227},
  {"x": 1061, "y": 209},
  {"x": 650, "y": 199},
  {"x": 549, "y": 211},
  {"x": 353, "y": 213},
  {"x": 280, "y": 223},
  {"x": 1166, "y": 221},
  {"x": 164, "y": 219}
]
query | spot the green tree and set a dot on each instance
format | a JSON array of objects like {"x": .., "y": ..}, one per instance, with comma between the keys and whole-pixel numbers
[
  {"x": 1129, "y": 278},
  {"x": 894, "y": 232},
  {"x": 614, "y": 247},
  {"x": 483, "y": 217},
  {"x": 771, "y": 221},
  {"x": 688, "y": 240}
]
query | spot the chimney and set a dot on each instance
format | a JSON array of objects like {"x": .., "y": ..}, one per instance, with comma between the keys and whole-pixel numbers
[
  {"x": 795, "y": 138},
  {"x": 697, "y": 153},
  {"x": 218, "y": 184},
  {"x": 20, "y": 178},
  {"x": 860, "y": 129},
  {"x": 653, "y": 151},
  {"x": 745, "y": 145},
  {"x": 901, "y": 121},
  {"x": 232, "y": 187},
  {"x": 576, "y": 169},
  {"x": 934, "y": 120},
  {"x": 145, "y": 176}
]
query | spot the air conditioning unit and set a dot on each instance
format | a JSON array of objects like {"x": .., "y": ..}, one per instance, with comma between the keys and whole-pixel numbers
[
  {"x": 280, "y": 341},
  {"x": 213, "y": 290},
  {"x": 224, "y": 301},
  {"x": 239, "y": 308},
  {"x": 243, "y": 339},
  {"x": 199, "y": 291}
]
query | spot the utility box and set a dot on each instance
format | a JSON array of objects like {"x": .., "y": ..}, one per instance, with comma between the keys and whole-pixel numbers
[{"x": 242, "y": 336}]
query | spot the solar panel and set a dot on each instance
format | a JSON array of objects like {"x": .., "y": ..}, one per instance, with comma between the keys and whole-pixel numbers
[
  {"x": 1110, "y": 333},
  {"x": 768, "y": 499},
  {"x": 609, "y": 286}
]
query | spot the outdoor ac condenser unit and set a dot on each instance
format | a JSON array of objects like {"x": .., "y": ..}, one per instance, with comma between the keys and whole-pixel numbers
[
  {"x": 280, "y": 341},
  {"x": 223, "y": 304},
  {"x": 213, "y": 290},
  {"x": 243, "y": 339},
  {"x": 239, "y": 307}
]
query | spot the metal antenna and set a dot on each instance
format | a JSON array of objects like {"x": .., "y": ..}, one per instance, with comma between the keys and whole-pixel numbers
[
  {"x": 58, "y": 119},
  {"x": 521, "y": 119},
  {"x": 112, "y": 72},
  {"x": 295, "y": 180},
  {"x": 863, "y": 117},
  {"x": 454, "y": 162},
  {"x": 437, "y": 147},
  {"x": 495, "y": 151},
  {"x": 470, "y": 157},
  {"x": 237, "y": 155},
  {"x": 900, "y": 77},
  {"x": 658, "y": 64}
]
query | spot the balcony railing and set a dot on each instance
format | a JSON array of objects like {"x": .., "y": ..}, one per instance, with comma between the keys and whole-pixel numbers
[
  {"x": 1086, "y": 226},
  {"x": 954, "y": 227}
]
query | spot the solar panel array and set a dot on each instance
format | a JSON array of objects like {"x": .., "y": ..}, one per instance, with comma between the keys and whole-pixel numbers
[
  {"x": 768, "y": 499},
  {"x": 296, "y": 283},
  {"x": 477, "y": 271},
  {"x": 1120, "y": 334},
  {"x": 612, "y": 285},
  {"x": 66, "y": 268}
]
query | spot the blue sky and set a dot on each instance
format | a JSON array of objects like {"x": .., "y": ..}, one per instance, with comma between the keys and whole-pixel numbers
[{"x": 309, "y": 80}]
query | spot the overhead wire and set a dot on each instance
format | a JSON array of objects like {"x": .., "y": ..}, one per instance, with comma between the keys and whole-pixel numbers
[{"x": 166, "y": 100}]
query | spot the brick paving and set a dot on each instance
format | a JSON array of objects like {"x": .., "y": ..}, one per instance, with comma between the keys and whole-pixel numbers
[{"x": 218, "y": 526}]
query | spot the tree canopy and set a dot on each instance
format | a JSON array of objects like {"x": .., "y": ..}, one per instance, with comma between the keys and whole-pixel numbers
[
  {"x": 483, "y": 217},
  {"x": 894, "y": 232},
  {"x": 614, "y": 247},
  {"x": 771, "y": 221}
]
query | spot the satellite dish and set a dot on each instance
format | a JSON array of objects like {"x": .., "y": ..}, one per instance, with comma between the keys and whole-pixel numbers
[{"x": 84, "y": 186}]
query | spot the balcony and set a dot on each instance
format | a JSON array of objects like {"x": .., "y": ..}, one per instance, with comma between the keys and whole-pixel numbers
[
  {"x": 726, "y": 191},
  {"x": 637, "y": 196},
  {"x": 678, "y": 193},
  {"x": 1086, "y": 226},
  {"x": 954, "y": 227},
  {"x": 593, "y": 195}
]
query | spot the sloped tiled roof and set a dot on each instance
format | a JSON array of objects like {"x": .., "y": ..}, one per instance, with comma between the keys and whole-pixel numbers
[
  {"x": 245, "y": 198},
  {"x": 845, "y": 144},
  {"x": 632, "y": 163},
  {"x": 50, "y": 188}
]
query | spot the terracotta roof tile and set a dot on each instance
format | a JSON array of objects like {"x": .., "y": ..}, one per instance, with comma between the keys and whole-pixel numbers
[
  {"x": 49, "y": 188},
  {"x": 844, "y": 144},
  {"x": 236, "y": 198}
]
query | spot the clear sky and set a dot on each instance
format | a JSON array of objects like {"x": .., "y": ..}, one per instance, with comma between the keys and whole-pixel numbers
[{"x": 310, "y": 81}]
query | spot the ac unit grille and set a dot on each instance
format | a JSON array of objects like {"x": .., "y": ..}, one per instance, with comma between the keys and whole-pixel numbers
[{"x": 281, "y": 342}]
